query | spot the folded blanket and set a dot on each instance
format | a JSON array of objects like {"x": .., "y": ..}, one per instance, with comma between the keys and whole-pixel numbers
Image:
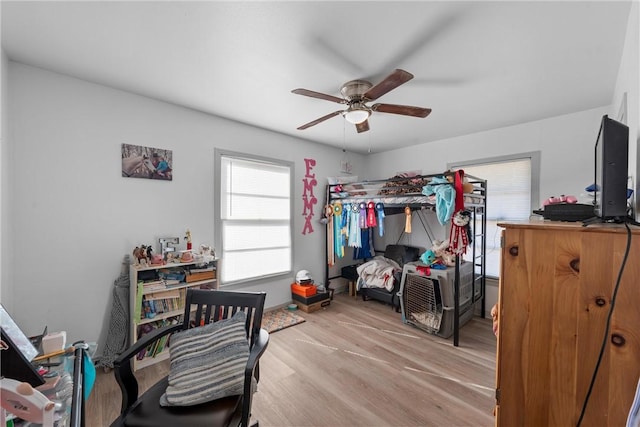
[{"x": 377, "y": 273}]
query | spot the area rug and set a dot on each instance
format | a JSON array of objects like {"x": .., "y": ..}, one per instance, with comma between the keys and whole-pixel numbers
[{"x": 276, "y": 320}]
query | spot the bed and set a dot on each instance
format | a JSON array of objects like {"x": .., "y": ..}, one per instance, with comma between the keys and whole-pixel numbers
[{"x": 366, "y": 203}]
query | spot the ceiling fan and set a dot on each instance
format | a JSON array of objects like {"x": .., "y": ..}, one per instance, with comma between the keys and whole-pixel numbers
[{"x": 357, "y": 93}]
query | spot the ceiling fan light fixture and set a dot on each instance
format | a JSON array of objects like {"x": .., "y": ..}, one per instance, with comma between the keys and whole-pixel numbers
[{"x": 357, "y": 114}]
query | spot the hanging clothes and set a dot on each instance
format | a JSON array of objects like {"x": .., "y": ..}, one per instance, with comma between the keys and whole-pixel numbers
[
  {"x": 380, "y": 210},
  {"x": 371, "y": 214},
  {"x": 366, "y": 251},
  {"x": 407, "y": 222},
  {"x": 362, "y": 218},
  {"x": 354, "y": 228},
  {"x": 445, "y": 197},
  {"x": 328, "y": 212},
  {"x": 346, "y": 223},
  {"x": 338, "y": 243}
]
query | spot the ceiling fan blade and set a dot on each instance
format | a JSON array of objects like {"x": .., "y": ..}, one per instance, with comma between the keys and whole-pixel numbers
[
  {"x": 319, "y": 95},
  {"x": 431, "y": 32},
  {"x": 405, "y": 110},
  {"x": 362, "y": 127},
  {"x": 390, "y": 82},
  {"x": 320, "y": 120},
  {"x": 334, "y": 54}
]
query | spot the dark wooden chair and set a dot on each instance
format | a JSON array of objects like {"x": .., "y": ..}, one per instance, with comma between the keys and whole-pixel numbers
[{"x": 202, "y": 307}]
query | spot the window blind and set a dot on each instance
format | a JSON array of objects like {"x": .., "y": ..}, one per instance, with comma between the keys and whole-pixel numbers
[
  {"x": 509, "y": 184},
  {"x": 255, "y": 216}
]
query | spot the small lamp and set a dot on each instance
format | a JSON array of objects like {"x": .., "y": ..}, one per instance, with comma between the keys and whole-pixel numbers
[{"x": 357, "y": 113}]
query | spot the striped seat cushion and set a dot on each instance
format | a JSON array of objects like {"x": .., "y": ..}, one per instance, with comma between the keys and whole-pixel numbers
[{"x": 207, "y": 362}]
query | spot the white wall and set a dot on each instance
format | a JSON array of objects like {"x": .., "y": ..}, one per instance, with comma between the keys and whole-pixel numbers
[
  {"x": 565, "y": 142},
  {"x": 6, "y": 290},
  {"x": 628, "y": 82},
  {"x": 75, "y": 217}
]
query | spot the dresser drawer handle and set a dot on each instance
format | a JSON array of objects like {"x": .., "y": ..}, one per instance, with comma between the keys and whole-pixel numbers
[
  {"x": 618, "y": 340},
  {"x": 513, "y": 251}
]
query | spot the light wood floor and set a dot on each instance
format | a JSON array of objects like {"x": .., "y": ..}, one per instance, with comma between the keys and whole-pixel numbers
[{"x": 356, "y": 364}]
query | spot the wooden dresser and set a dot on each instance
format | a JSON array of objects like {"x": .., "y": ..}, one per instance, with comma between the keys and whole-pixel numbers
[{"x": 556, "y": 287}]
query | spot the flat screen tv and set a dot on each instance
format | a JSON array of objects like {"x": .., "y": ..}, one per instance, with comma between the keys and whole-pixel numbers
[{"x": 611, "y": 164}]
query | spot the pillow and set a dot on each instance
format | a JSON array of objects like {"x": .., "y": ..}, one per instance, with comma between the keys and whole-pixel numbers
[{"x": 207, "y": 362}]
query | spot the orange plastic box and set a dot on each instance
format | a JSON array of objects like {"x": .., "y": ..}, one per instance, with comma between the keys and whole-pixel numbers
[{"x": 304, "y": 290}]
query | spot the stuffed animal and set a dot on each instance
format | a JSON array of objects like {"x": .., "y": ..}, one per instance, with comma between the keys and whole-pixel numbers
[
  {"x": 140, "y": 255},
  {"x": 460, "y": 236},
  {"x": 495, "y": 319},
  {"x": 156, "y": 259},
  {"x": 429, "y": 257},
  {"x": 441, "y": 249}
]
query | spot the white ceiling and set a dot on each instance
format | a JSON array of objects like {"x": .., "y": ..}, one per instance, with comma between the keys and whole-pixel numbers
[{"x": 479, "y": 65}]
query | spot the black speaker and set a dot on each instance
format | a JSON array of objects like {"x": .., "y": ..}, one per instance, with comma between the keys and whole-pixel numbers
[{"x": 612, "y": 162}]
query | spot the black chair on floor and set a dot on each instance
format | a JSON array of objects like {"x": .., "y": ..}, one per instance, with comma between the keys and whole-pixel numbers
[
  {"x": 401, "y": 254},
  {"x": 204, "y": 308}
]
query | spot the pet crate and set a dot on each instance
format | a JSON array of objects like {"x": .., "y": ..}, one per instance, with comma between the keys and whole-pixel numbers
[{"x": 427, "y": 302}]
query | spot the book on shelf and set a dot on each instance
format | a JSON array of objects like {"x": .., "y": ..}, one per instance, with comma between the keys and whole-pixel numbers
[
  {"x": 165, "y": 294},
  {"x": 152, "y": 282},
  {"x": 138, "y": 307},
  {"x": 204, "y": 275},
  {"x": 201, "y": 270},
  {"x": 153, "y": 286},
  {"x": 168, "y": 276},
  {"x": 153, "y": 307},
  {"x": 167, "y": 301},
  {"x": 155, "y": 348}
]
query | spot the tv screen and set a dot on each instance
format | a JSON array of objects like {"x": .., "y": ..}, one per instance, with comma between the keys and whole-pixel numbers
[{"x": 611, "y": 164}]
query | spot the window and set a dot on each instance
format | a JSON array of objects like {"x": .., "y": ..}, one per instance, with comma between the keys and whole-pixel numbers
[
  {"x": 512, "y": 192},
  {"x": 253, "y": 219}
]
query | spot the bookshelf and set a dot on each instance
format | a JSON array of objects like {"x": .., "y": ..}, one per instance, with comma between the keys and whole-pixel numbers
[{"x": 157, "y": 297}]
